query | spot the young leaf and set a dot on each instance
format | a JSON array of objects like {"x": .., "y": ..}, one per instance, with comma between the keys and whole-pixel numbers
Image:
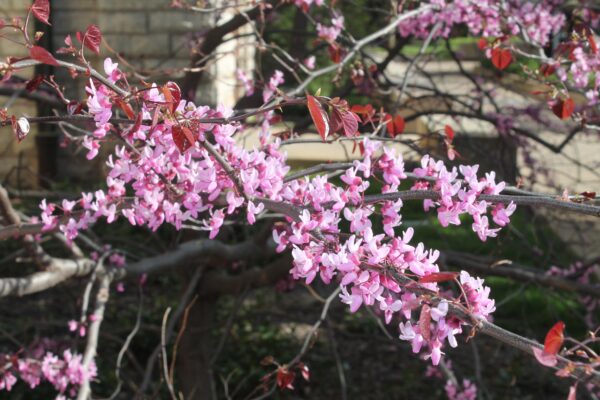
[
  {"x": 395, "y": 125},
  {"x": 563, "y": 108},
  {"x": 126, "y": 108},
  {"x": 33, "y": 84},
  {"x": 449, "y": 133},
  {"x": 318, "y": 116},
  {"x": 438, "y": 277},
  {"x": 285, "y": 378},
  {"x": 92, "y": 38},
  {"x": 592, "y": 43},
  {"x": 335, "y": 53},
  {"x": 425, "y": 322},
  {"x": 547, "y": 69},
  {"x": 482, "y": 44},
  {"x": 501, "y": 58},
  {"x": 172, "y": 95},
  {"x": 554, "y": 338},
  {"x": 42, "y": 55},
  {"x": 137, "y": 124},
  {"x": 366, "y": 111},
  {"x": 183, "y": 137},
  {"x": 41, "y": 10},
  {"x": 350, "y": 123}
]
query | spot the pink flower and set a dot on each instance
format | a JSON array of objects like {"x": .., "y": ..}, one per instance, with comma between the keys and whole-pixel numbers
[
  {"x": 271, "y": 87},
  {"x": 246, "y": 81},
  {"x": 92, "y": 145},
  {"x": 310, "y": 62},
  {"x": 216, "y": 221},
  {"x": 7, "y": 381},
  {"x": 111, "y": 69},
  {"x": 99, "y": 104},
  {"x": 355, "y": 299},
  {"x": 253, "y": 211}
]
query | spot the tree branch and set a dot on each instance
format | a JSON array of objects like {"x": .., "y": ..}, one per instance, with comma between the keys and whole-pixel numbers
[
  {"x": 521, "y": 273},
  {"x": 93, "y": 333}
]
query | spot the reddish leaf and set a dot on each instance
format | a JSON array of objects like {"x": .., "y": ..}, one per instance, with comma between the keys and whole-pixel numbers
[
  {"x": 449, "y": 133},
  {"x": 335, "y": 53},
  {"x": 361, "y": 148},
  {"x": 482, "y": 44},
  {"x": 41, "y": 10},
  {"x": 126, "y": 108},
  {"x": 92, "y": 38},
  {"x": 554, "y": 338},
  {"x": 592, "y": 42},
  {"x": 367, "y": 112},
  {"x": 425, "y": 322},
  {"x": 183, "y": 137},
  {"x": 285, "y": 378},
  {"x": 547, "y": 69},
  {"x": 501, "y": 58},
  {"x": 172, "y": 94},
  {"x": 74, "y": 107},
  {"x": 137, "y": 124},
  {"x": 350, "y": 123},
  {"x": 42, "y": 55},
  {"x": 438, "y": 277},
  {"x": 33, "y": 84},
  {"x": 563, "y": 108},
  {"x": 588, "y": 195},
  {"x": 335, "y": 121},
  {"x": 395, "y": 126},
  {"x": 318, "y": 116}
]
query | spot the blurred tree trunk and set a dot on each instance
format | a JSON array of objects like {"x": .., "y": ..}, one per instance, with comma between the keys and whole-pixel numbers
[{"x": 194, "y": 372}]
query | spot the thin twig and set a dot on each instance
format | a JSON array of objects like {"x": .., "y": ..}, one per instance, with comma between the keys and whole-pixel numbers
[{"x": 163, "y": 350}]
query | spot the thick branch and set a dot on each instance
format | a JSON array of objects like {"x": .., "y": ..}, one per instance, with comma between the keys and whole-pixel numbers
[
  {"x": 58, "y": 271},
  {"x": 218, "y": 282},
  {"x": 194, "y": 250},
  {"x": 521, "y": 273}
]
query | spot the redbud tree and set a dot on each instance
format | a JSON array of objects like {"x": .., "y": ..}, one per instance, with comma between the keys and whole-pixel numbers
[{"x": 336, "y": 228}]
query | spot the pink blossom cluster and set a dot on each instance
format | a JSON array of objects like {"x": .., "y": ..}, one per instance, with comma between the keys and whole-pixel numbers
[
  {"x": 100, "y": 106},
  {"x": 331, "y": 33},
  {"x": 367, "y": 264},
  {"x": 461, "y": 196},
  {"x": 152, "y": 181},
  {"x": 582, "y": 73},
  {"x": 488, "y": 18},
  {"x": 171, "y": 186},
  {"x": 65, "y": 372},
  {"x": 466, "y": 391}
]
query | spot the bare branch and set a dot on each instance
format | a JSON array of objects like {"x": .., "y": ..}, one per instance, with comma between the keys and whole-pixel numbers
[{"x": 93, "y": 333}]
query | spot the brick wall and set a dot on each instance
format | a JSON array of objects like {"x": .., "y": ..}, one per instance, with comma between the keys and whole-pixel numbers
[
  {"x": 13, "y": 155},
  {"x": 149, "y": 35}
]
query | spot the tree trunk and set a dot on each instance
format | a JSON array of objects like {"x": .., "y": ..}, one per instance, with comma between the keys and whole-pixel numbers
[{"x": 194, "y": 374}]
